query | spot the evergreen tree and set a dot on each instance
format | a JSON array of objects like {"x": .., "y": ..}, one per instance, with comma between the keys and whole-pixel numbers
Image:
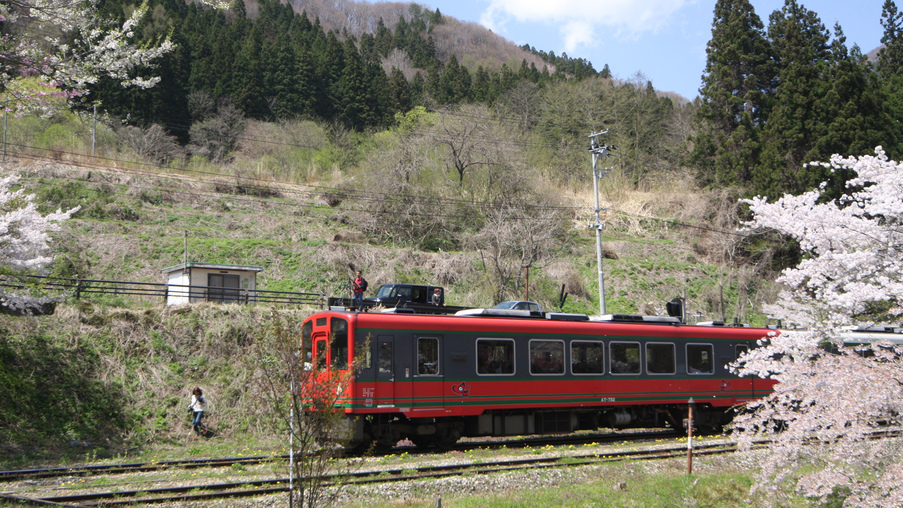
[
  {"x": 305, "y": 29},
  {"x": 418, "y": 88},
  {"x": 454, "y": 84},
  {"x": 248, "y": 92},
  {"x": 505, "y": 80},
  {"x": 639, "y": 121},
  {"x": 481, "y": 88},
  {"x": 738, "y": 77},
  {"x": 424, "y": 53},
  {"x": 350, "y": 94},
  {"x": 606, "y": 72},
  {"x": 402, "y": 34},
  {"x": 399, "y": 93},
  {"x": 850, "y": 112},
  {"x": 368, "y": 49},
  {"x": 380, "y": 96},
  {"x": 307, "y": 84},
  {"x": 433, "y": 85},
  {"x": 226, "y": 44},
  {"x": 384, "y": 41},
  {"x": 201, "y": 76},
  {"x": 890, "y": 56},
  {"x": 285, "y": 82},
  {"x": 361, "y": 92},
  {"x": 890, "y": 70},
  {"x": 329, "y": 67},
  {"x": 793, "y": 125}
]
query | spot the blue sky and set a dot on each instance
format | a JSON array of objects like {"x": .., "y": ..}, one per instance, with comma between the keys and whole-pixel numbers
[{"x": 664, "y": 40}]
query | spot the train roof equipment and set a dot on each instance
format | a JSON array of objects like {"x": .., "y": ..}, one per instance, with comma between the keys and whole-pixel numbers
[{"x": 867, "y": 335}]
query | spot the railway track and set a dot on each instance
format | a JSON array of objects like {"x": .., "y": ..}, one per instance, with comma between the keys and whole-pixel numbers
[
  {"x": 136, "y": 467},
  {"x": 277, "y": 485}
]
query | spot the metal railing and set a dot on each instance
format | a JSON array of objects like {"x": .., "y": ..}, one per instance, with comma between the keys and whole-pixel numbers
[{"x": 80, "y": 287}]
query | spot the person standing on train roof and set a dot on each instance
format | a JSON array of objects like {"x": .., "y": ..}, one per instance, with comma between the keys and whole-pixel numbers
[
  {"x": 359, "y": 285},
  {"x": 437, "y": 297}
]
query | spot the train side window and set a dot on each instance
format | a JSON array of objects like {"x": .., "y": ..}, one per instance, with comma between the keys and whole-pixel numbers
[
  {"x": 660, "y": 358},
  {"x": 427, "y": 356},
  {"x": 495, "y": 356},
  {"x": 546, "y": 357},
  {"x": 307, "y": 345},
  {"x": 363, "y": 356},
  {"x": 339, "y": 344},
  {"x": 740, "y": 349},
  {"x": 700, "y": 359},
  {"x": 587, "y": 357},
  {"x": 625, "y": 357}
]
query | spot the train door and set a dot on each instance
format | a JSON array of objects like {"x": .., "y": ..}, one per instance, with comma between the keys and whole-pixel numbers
[
  {"x": 385, "y": 376},
  {"x": 320, "y": 348},
  {"x": 427, "y": 391},
  {"x": 745, "y": 386}
]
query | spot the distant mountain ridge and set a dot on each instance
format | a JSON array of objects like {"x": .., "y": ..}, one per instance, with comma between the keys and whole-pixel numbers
[{"x": 472, "y": 44}]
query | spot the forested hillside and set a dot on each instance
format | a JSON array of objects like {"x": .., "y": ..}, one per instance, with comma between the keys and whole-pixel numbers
[
  {"x": 313, "y": 147},
  {"x": 414, "y": 147},
  {"x": 278, "y": 63},
  {"x": 773, "y": 97}
]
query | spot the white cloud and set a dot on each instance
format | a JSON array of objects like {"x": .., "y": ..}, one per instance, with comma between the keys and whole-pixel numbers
[
  {"x": 575, "y": 34},
  {"x": 579, "y": 19}
]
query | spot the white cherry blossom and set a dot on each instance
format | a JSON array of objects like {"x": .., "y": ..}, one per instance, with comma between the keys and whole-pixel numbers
[
  {"x": 24, "y": 236},
  {"x": 831, "y": 401},
  {"x": 67, "y": 45}
]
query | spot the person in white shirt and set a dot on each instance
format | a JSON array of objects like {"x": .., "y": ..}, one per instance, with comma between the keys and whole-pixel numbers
[{"x": 198, "y": 403}]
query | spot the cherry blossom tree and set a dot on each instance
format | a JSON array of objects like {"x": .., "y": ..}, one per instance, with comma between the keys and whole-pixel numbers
[
  {"x": 24, "y": 240},
  {"x": 66, "y": 42},
  {"x": 833, "y": 404},
  {"x": 69, "y": 46}
]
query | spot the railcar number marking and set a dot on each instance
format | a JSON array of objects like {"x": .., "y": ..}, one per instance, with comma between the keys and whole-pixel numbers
[
  {"x": 368, "y": 394},
  {"x": 607, "y": 399}
]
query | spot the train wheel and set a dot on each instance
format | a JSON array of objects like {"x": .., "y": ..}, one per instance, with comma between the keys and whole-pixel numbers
[
  {"x": 383, "y": 445},
  {"x": 446, "y": 437},
  {"x": 358, "y": 448},
  {"x": 422, "y": 441}
]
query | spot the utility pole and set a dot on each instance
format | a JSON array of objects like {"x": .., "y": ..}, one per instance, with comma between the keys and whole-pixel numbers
[
  {"x": 5, "y": 116},
  {"x": 598, "y": 150},
  {"x": 94, "y": 132}
]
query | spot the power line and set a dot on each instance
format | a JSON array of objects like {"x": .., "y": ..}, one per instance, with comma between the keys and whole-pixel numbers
[
  {"x": 267, "y": 185},
  {"x": 366, "y": 196}
]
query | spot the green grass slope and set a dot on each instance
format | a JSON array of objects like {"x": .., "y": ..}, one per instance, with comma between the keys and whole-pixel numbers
[{"x": 113, "y": 372}]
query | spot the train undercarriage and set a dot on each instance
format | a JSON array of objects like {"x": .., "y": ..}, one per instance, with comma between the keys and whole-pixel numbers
[{"x": 386, "y": 430}]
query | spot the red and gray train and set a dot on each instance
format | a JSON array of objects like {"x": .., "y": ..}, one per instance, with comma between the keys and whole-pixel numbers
[{"x": 486, "y": 372}]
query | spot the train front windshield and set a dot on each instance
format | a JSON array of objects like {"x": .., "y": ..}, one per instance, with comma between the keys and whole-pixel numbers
[{"x": 325, "y": 342}]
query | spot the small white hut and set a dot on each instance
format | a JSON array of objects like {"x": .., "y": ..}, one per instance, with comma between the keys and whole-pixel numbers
[{"x": 210, "y": 282}]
